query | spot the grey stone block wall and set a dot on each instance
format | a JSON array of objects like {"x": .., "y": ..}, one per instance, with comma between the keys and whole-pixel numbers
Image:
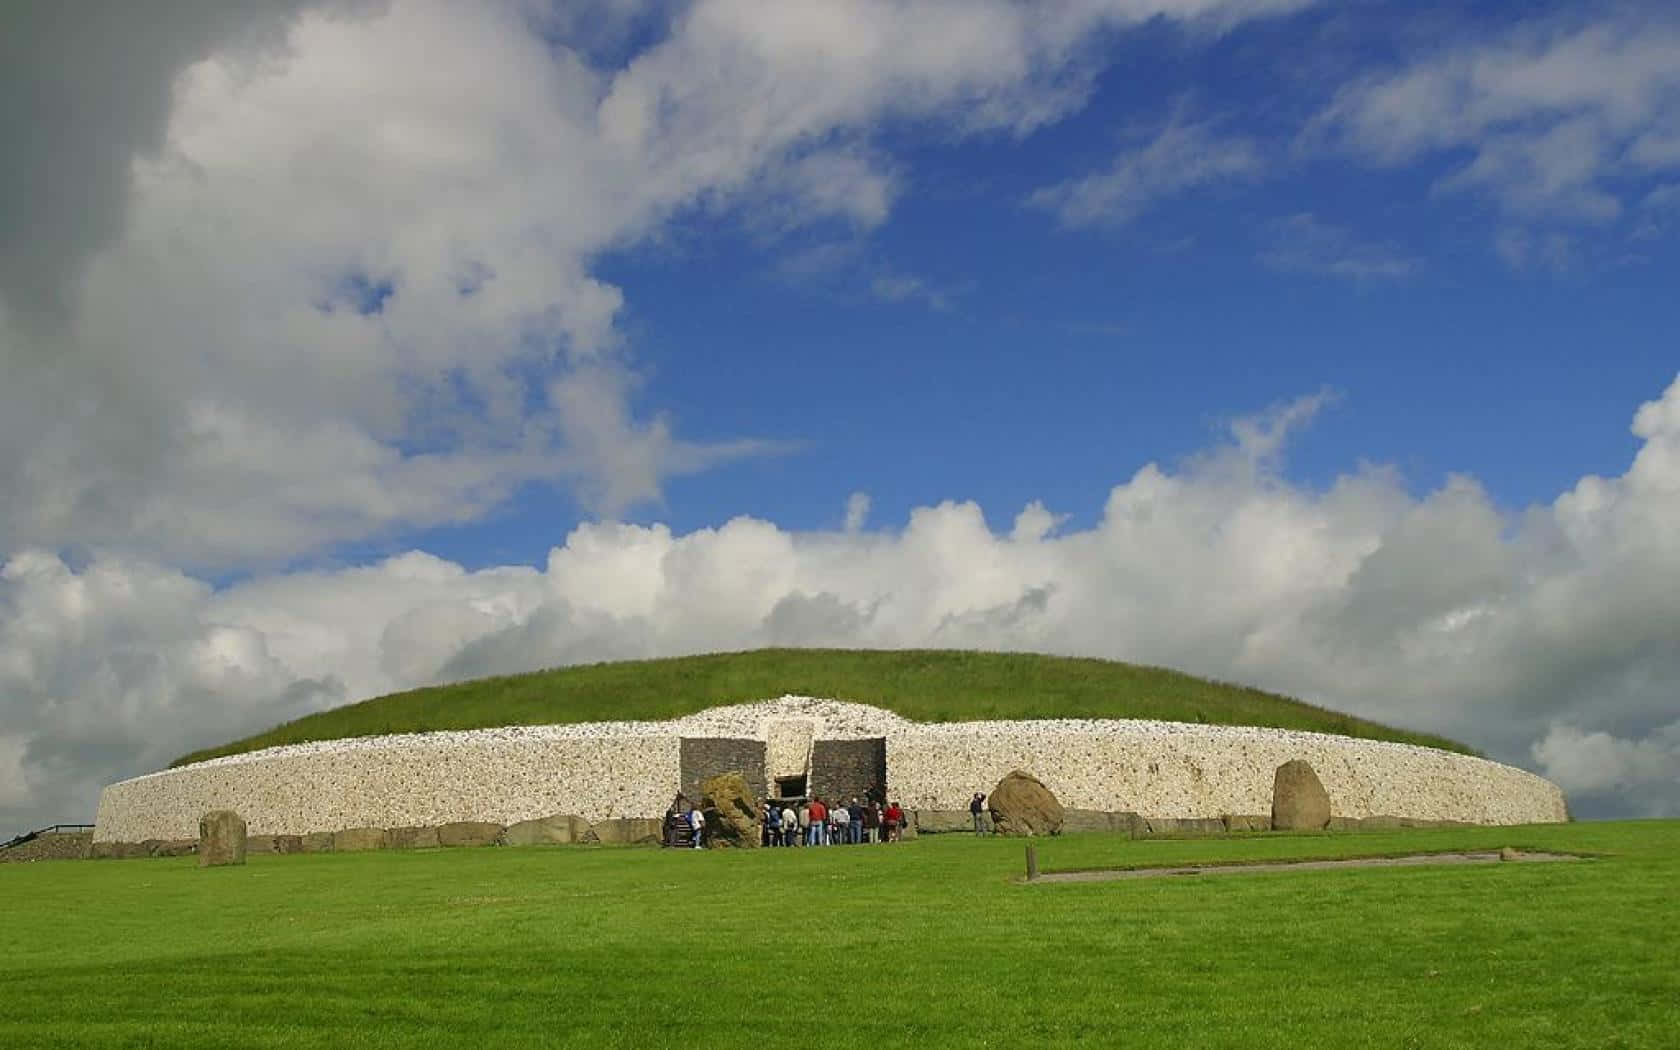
[
  {"x": 843, "y": 768},
  {"x": 703, "y": 757}
]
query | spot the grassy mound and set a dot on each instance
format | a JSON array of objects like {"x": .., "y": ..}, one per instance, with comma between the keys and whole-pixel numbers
[
  {"x": 924, "y": 944},
  {"x": 926, "y": 685}
]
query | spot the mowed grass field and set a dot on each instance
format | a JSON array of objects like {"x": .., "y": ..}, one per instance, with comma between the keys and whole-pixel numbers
[
  {"x": 928, "y": 944},
  {"x": 924, "y": 684}
]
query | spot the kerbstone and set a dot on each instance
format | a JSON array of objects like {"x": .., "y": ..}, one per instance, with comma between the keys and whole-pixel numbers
[
  {"x": 351, "y": 840},
  {"x": 558, "y": 830},
  {"x": 943, "y": 821},
  {"x": 470, "y": 833}
]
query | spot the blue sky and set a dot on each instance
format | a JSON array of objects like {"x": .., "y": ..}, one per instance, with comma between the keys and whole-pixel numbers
[{"x": 1326, "y": 347}]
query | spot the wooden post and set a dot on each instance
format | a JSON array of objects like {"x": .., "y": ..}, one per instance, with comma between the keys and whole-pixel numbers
[{"x": 1032, "y": 862}]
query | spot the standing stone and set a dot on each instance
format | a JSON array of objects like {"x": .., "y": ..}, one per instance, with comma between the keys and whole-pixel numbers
[
  {"x": 1299, "y": 801},
  {"x": 1022, "y": 805},
  {"x": 731, "y": 811},
  {"x": 221, "y": 839}
]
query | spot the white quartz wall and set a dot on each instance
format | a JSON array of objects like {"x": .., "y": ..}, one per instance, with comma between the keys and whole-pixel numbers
[
  {"x": 405, "y": 782},
  {"x": 1168, "y": 769},
  {"x": 632, "y": 769}
]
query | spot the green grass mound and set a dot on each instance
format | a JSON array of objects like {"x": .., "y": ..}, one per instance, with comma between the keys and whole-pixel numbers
[
  {"x": 925, "y": 685},
  {"x": 923, "y": 944}
]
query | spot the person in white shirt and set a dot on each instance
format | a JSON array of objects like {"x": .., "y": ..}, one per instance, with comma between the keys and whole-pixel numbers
[
  {"x": 839, "y": 823},
  {"x": 697, "y": 821}
]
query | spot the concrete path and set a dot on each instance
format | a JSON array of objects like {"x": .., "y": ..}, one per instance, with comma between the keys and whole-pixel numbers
[{"x": 1411, "y": 861}]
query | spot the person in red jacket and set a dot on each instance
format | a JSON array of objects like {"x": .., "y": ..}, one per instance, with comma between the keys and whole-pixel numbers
[
  {"x": 819, "y": 823},
  {"x": 894, "y": 818}
]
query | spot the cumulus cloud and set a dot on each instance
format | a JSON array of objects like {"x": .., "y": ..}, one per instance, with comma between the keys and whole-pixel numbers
[
  {"x": 298, "y": 273},
  {"x": 1545, "y": 637},
  {"x": 1551, "y": 120},
  {"x": 1593, "y": 767}
]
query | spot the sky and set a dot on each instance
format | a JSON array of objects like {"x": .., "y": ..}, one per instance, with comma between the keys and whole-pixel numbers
[{"x": 347, "y": 347}]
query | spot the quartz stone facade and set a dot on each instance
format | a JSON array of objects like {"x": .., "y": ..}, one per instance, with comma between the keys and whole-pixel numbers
[{"x": 605, "y": 770}]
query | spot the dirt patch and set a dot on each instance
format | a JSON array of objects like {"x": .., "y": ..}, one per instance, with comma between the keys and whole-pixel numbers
[{"x": 1410, "y": 861}]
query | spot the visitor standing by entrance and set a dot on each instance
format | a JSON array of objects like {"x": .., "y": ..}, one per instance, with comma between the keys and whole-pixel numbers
[
  {"x": 818, "y": 824},
  {"x": 977, "y": 807},
  {"x": 854, "y": 826},
  {"x": 790, "y": 826},
  {"x": 804, "y": 824},
  {"x": 697, "y": 821}
]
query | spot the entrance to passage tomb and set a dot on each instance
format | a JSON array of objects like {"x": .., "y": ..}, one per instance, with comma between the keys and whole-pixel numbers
[{"x": 791, "y": 787}]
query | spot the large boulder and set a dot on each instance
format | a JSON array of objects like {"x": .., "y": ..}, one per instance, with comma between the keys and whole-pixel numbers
[
  {"x": 221, "y": 839},
  {"x": 469, "y": 833},
  {"x": 558, "y": 830},
  {"x": 1022, "y": 805},
  {"x": 316, "y": 842},
  {"x": 1299, "y": 801},
  {"x": 731, "y": 811},
  {"x": 352, "y": 839}
]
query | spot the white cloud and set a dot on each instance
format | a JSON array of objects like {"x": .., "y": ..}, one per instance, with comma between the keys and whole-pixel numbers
[
  {"x": 1547, "y": 636},
  {"x": 1599, "y": 765},
  {"x": 1304, "y": 243},
  {"x": 1550, "y": 119},
  {"x": 1182, "y": 157},
  {"x": 324, "y": 271},
  {"x": 857, "y": 511}
]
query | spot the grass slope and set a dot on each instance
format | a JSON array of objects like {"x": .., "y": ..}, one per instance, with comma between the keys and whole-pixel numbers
[
  {"x": 927, "y": 685},
  {"x": 923, "y": 944}
]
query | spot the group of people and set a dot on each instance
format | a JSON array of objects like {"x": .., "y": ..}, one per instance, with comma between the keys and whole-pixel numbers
[
  {"x": 812, "y": 822},
  {"x": 818, "y": 823}
]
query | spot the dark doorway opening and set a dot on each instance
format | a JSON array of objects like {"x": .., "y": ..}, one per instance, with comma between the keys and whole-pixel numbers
[{"x": 790, "y": 787}]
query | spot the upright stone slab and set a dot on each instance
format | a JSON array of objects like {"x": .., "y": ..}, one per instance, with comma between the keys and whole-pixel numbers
[
  {"x": 221, "y": 839},
  {"x": 1299, "y": 801},
  {"x": 1022, "y": 805}
]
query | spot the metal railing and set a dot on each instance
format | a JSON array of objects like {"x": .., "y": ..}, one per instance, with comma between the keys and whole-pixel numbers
[{"x": 31, "y": 836}]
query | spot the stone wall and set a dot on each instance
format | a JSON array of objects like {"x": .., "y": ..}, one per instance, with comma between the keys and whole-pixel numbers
[
  {"x": 611, "y": 770},
  {"x": 424, "y": 780},
  {"x": 704, "y": 757},
  {"x": 841, "y": 769},
  {"x": 1171, "y": 769}
]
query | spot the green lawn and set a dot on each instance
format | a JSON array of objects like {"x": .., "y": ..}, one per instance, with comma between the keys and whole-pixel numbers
[
  {"x": 926, "y": 944},
  {"x": 928, "y": 685}
]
